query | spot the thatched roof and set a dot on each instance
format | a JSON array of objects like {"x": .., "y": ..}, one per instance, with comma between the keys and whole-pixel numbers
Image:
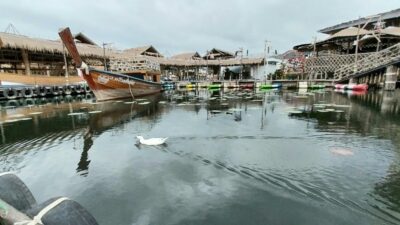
[
  {"x": 350, "y": 32},
  {"x": 148, "y": 50},
  {"x": 187, "y": 56},
  {"x": 203, "y": 62},
  {"x": 43, "y": 45},
  {"x": 394, "y": 31},
  {"x": 384, "y": 16}
]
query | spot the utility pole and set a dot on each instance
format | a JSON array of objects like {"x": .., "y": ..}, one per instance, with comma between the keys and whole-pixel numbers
[
  {"x": 241, "y": 64},
  {"x": 104, "y": 55},
  {"x": 265, "y": 60}
]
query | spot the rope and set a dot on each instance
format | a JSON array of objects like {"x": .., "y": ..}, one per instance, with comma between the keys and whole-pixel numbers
[
  {"x": 130, "y": 89},
  {"x": 38, "y": 218}
]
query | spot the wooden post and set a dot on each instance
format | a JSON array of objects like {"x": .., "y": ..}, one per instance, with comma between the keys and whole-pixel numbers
[
  {"x": 25, "y": 59},
  {"x": 65, "y": 64},
  {"x": 390, "y": 78}
]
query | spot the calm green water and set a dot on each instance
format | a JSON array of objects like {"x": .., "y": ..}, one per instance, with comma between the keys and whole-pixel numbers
[{"x": 231, "y": 157}]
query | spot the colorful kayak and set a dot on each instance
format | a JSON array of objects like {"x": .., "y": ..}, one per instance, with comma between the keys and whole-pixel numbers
[
  {"x": 354, "y": 87},
  {"x": 270, "y": 86},
  {"x": 214, "y": 86},
  {"x": 317, "y": 86}
]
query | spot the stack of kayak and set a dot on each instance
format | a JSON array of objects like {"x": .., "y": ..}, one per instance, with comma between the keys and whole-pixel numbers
[{"x": 354, "y": 87}]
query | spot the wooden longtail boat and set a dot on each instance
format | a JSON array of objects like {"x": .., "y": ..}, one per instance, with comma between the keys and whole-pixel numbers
[{"x": 108, "y": 85}]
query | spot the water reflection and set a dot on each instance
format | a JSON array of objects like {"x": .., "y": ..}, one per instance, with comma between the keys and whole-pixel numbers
[{"x": 257, "y": 143}]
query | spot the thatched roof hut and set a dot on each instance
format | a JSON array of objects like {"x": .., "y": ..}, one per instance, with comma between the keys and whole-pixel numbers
[
  {"x": 187, "y": 56},
  {"x": 204, "y": 62},
  {"x": 148, "y": 50},
  {"x": 13, "y": 41}
]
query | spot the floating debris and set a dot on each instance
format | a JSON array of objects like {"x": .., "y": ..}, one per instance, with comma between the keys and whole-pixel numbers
[
  {"x": 212, "y": 99},
  {"x": 330, "y": 110},
  {"x": 216, "y": 111},
  {"x": 339, "y": 111},
  {"x": 143, "y": 103},
  {"x": 16, "y": 116},
  {"x": 25, "y": 119},
  {"x": 35, "y": 113},
  {"x": 75, "y": 114},
  {"x": 94, "y": 112},
  {"x": 11, "y": 121},
  {"x": 342, "y": 106},
  {"x": 140, "y": 99},
  {"x": 295, "y": 112},
  {"x": 236, "y": 110},
  {"x": 322, "y": 111},
  {"x": 342, "y": 151},
  {"x": 133, "y": 102},
  {"x": 162, "y": 102}
]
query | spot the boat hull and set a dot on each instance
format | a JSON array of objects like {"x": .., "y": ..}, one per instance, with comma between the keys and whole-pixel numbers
[
  {"x": 108, "y": 86},
  {"x": 354, "y": 87}
]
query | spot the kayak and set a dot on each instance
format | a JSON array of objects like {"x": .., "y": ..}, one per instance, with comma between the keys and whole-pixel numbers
[{"x": 354, "y": 87}]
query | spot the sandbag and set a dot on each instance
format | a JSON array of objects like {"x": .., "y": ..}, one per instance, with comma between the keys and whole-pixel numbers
[
  {"x": 15, "y": 192},
  {"x": 61, "y": 211}
]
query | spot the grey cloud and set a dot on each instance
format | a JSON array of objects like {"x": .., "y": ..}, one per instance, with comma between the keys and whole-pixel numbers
[{"x": 181, "y": 25}]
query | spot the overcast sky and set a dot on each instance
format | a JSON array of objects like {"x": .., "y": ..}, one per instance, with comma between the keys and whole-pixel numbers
[{"x": 175, "y": 26}]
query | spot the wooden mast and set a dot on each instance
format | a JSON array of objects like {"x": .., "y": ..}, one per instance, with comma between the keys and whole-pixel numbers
[{"x": 68, "y": 40}]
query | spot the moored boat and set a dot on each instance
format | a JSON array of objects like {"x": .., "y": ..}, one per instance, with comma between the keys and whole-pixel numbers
[
  {"x": 108, "y": 85},
  {"x": 270, "y": 86},
  {"x": 354, "y": 87}
]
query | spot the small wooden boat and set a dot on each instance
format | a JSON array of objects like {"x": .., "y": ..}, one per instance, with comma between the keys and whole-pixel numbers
[{"x": 108, "y": 85}]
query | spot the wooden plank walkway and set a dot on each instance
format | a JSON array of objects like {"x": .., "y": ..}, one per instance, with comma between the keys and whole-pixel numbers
[{"x": 39, "y": 79}]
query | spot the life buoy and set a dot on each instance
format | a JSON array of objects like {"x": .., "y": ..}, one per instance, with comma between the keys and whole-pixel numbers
[
  {"x": 78, "y": 89},
  {"x": 10, "y": 93},
  {"x": 87, "y": 89},
  {"x": 27, "y": 92},
  {"x": 56, "y": 90},
  {"x": 67, "y": 90},
  {"x": 41, "y": 91},
  {"x": 49, "y": 91}
]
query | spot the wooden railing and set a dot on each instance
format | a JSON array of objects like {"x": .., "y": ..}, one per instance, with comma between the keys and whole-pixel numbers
[
  {"x": 370, "y": 63},
  {"x": 330, "y": 63}
]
